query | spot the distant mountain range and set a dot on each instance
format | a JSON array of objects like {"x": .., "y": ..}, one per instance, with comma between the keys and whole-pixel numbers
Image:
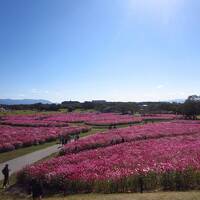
[
  {"x": 177, "y": 100},
  {"x": 34, "y": 101},
  {"x": 23, "y": 101}
]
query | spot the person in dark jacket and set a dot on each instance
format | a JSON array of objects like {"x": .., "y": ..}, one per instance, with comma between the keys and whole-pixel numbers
[
  {"x": 67, "y": 139},
  {"x": 36, "y": 189},
  {"x": 62, "y": 140},
  {"x": 141, "y": 184},
  {"x": 5, "y": 172}
]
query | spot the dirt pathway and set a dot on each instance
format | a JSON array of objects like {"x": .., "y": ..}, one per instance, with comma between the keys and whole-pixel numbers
[{"x": 20, "y": 162}]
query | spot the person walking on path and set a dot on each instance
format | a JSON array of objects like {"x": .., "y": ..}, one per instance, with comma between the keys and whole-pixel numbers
[
  {"x": 5, "y": 172},
  {"x": 67, "y": 139},
  {"x": 61, "y": 140}
]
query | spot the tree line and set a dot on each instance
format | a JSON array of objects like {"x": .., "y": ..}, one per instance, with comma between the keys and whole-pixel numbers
[{"x": 190, "y": 108}]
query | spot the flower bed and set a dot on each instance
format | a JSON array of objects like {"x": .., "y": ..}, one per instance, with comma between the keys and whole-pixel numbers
[
  {"x": 133, "y": 133},
  {"x": 33, "y": 123},
  {"x": 99, "y": 119},
  {"x": 15, "y": 137},
  {"x": 153, "y": 117},
  {"x": 71, "y": 117},
  {"x": 114, "y": 120},
  {"x": 168, "y": 163},
  {"x": 26, "y": 117}
]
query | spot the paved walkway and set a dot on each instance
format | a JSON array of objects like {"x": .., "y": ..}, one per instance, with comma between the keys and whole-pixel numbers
[{"x": 22, "y": 161}]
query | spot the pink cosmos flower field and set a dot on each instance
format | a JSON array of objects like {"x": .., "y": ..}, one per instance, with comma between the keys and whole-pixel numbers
[
  {"x": 13, "y": 137},
  {"x": 96, "y": 118},
  {"x": 133, "y": 133},
  {"x": 166, "y": 155}
]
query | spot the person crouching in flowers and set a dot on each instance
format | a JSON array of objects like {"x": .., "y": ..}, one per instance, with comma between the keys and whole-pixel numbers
[{"x": 36, "y": 189}]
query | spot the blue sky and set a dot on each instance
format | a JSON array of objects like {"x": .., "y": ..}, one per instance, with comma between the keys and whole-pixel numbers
[{"x": 118, "y": 50}]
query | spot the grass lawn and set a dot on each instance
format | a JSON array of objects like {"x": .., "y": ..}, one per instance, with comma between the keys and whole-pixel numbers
[
  {"x": 18, "y": 112},
  {"x": 134, "y": 196},
  {"x": 30, "y": 112},
  {"x": 79, "y": 110},
  {"x": 192, "y": 195},
  {"x": 93, "y": 131},
  {"x": 22, "y": 151}
]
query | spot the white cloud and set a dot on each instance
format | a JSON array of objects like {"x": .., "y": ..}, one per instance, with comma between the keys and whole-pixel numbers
[
  {"x": 21, "y": 95},
  {"x": 160, "y": 10},
  {"x": 34, "y": 91},
  {"x": 160, "y": 86}
]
